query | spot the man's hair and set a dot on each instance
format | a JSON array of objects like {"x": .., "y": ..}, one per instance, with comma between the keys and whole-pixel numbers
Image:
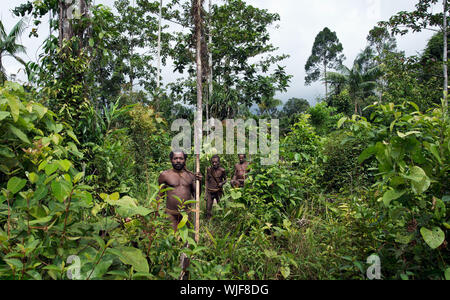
[
  {"x": 242, "y": 154},
  {"x": 172, "y": 153},
  {"x": 215, "y": 156}
]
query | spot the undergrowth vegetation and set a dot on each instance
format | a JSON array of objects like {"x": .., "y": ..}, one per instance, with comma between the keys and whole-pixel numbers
[{"x": 81, "y": 153}]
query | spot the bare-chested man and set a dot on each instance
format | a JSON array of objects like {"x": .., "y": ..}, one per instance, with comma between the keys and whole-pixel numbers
[
  {"x": 182, "y": 183},
  {"x": 240, "y": 172},
  {"x": 216, "y": 177}
]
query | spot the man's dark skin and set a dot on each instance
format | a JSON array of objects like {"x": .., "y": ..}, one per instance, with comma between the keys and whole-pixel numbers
[
  {"x": 240, "y": 172},
  {"x": 182, "y": 183},
  {"x": 216, "y": 177}
]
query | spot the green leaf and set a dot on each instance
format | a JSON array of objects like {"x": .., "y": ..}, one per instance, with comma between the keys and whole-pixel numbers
[
  {"x": 236, "y": 195},
  {"x": 4, "y": 115},
  {"x": 115, "y": 196},
  {"x": 78, "y": 177},
  {"x": 447, "y": 274},
  {"x": 366, "y": 154},
  {"x": 183, "y": 221},
  {"x": 391, "y": 195},
  {"x": 6, "y": 152},
  {"x": 40, "y": 193},
  {"x": 434, "y": 238},
  {"x": 14, "y": 263},
  {"x": 64, "y": 165},
  {"x": 33, "y": 177},
  {"x": 341, "y": 122},
  {"x": 41, "y": 220},
  {"x": 14, "y": 105},
  {"x": 285, "y": 271},
  {"x": 50, "y": 168},
  {"x": 19, "y": 133},
  {"x": 419, "y": 180},
  {"x": 61, "y": 189},
  {"x": 72, "y": 135},
  {"x": 40, "y": 110},
  {"x": 270, "y": 253},
  {"x": 131, "y": 256},
  {"x": 16, "y": 184},
  {"x": 434, "y": 149},
  {"x": 84, "y": 196}
]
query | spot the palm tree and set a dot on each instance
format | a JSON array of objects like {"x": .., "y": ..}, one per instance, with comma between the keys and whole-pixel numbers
[
  {"x": 9, "y": 45},
  {"x": 360, "y": 79}
]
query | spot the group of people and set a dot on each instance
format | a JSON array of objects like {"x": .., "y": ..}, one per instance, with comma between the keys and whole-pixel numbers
[
  {"x": 182, "y": 187},
  {"x": 179, "y": 184}
]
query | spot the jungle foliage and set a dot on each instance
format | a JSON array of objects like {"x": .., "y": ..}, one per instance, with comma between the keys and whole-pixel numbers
[{"x": 365, "y": 171}]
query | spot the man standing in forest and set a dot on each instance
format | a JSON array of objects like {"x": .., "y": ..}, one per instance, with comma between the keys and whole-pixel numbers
[
  {"x": 240, "y": 172},
  {"x": 215, "y": 179},
  {"x": 182, "y": 184}
]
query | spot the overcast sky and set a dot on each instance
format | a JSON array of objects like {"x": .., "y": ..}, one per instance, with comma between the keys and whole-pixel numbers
[{"x": 301, "y": 21}]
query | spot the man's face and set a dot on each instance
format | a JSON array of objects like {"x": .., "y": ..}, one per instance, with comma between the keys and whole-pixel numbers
[
  {"x": 178, "y": 161},
  {"x": 241, "y": 158},
  {"x": 215, "y": 163}
]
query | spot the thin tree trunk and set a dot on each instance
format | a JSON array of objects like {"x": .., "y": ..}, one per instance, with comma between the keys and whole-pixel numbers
[
  {"x": 198, "y": 135},
  {"x": 159, "y": 45},
  {"x": 60, "y": 22},
  {"x": 1, "y": 70},
  {"x": 210, "y": 91},
  {"x": 326, "y": 81},
  {"x": 445, "y": 59}
]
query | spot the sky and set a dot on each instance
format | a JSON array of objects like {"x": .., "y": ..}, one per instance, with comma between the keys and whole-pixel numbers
[{"x": 294, "y": 34}]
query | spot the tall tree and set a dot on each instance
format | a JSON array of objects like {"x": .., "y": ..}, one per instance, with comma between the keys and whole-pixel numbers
[
  {"x": 326, "y": 55},
  {"x": 425, "y": 18},
  {"x": 360, "y": 79},
  {"x": 245, "y": 69},
  {"x": 295, "y": 106},
  {"x": 382, "y": 42},
  {"x": 9, "y": 45}
]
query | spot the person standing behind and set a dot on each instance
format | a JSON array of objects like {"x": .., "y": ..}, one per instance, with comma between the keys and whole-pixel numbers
[
  {"x": 240, "y": 172},
  {"x": 216, "y": 178}
]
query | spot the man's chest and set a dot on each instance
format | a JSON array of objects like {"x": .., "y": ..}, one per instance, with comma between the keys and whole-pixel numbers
[{"x": 177, "y": 180}]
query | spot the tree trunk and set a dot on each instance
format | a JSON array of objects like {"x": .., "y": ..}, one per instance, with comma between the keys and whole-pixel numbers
[
  {"x": 210, "y": 91},
  {"x": 60, "y": 22},
  {"x": 326, "y": 82},
  {"x": 159, "y": 45},
  {"x": 198, "y": 131},
  {"x": 445, "y": 58},
  {"x": 1, "y": 71}
]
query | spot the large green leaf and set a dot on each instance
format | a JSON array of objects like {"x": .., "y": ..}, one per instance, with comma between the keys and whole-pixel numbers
[
  {"x": 127, "y": 207},
  {"x": 366, "y": 154},
  {"x": 50, "y": 168},
  {"x": 392, "y": 195},
  {"x": 4, "y": 115},
  {"x": 16, "y": 184},
  {"x": 19, "y": 133},
  {"x": 14, "y": 105},
  {"x": 419, "y": 180},
  {"x": 131, "y": 256},
  {"x": 434, "y": 238},
  {"x": 61, "y": 189}
]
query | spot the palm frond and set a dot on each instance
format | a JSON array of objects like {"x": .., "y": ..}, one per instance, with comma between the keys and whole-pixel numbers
[{"x": 17, "y": 30}]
